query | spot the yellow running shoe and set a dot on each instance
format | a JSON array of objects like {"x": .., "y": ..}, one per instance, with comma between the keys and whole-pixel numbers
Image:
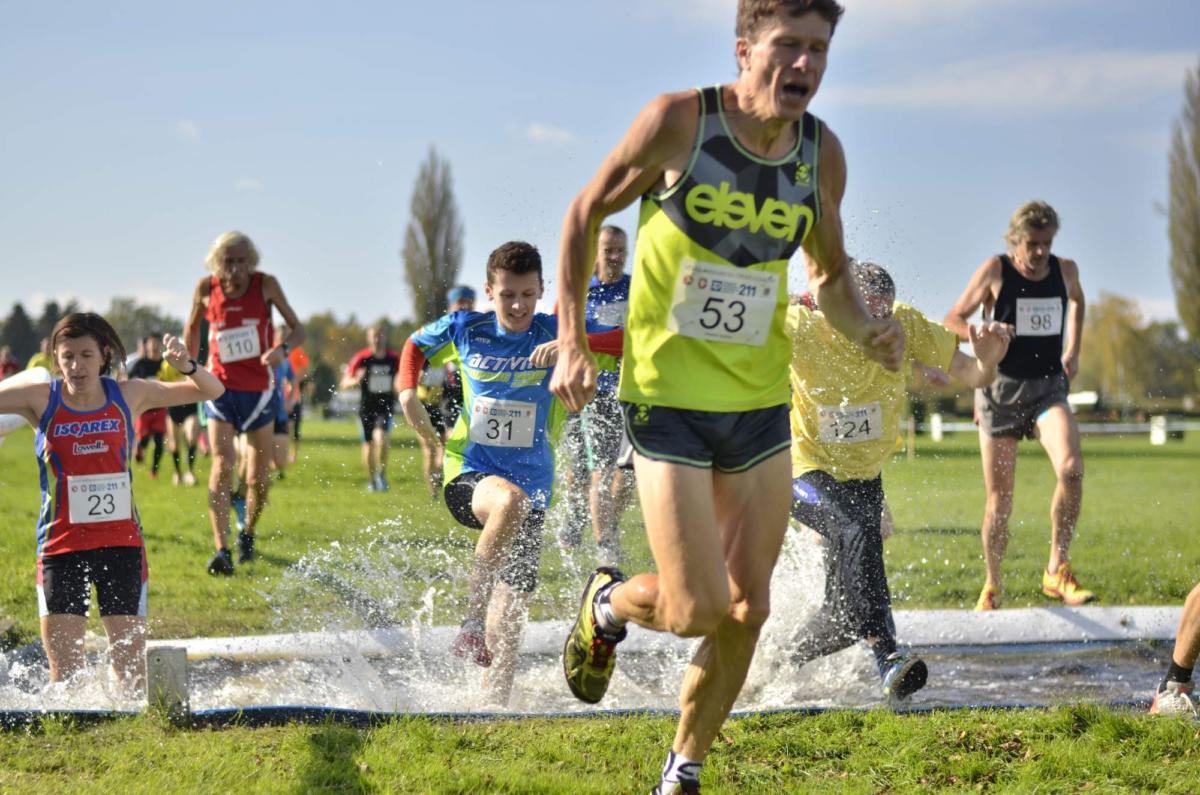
[
  {"x": 989, "y": 598},
  {"x": 1063, "y": 585},
  {"x": 590, "y": 653}
]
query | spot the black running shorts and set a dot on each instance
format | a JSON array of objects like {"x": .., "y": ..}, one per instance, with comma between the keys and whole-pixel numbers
[
  {"x": 726, "y": 441},
  {"x": 119, "y": 574},
  {"x": 520, "y": 570}
]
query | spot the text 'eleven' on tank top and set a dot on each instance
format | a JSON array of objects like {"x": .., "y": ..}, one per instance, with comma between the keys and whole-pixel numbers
[{"x": 708, "y": 300}]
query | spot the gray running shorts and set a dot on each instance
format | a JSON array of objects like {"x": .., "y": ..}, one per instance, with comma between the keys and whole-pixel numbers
[{"x": 1011, "y": 406}]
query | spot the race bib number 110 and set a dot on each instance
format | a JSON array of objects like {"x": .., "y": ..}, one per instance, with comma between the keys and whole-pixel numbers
[{"x": 720, "y": 303}]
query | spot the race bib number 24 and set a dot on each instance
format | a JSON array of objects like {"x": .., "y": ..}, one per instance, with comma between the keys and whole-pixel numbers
[{"x": 720, "y": 303}]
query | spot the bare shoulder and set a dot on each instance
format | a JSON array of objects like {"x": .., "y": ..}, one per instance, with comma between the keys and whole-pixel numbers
[
  {"x": 1070, "y": 268},
  {"x": 666, "y": 126},
  {"x": 203, "y": 287}
]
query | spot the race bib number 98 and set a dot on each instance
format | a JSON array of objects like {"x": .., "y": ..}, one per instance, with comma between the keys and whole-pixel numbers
[
  {"x": 502, "y": 423},
  {"x": 1039, "y": 317},
  {"x": 238, "y": 343},
  {"x": 99, "y": 498},
  {"x": 720, "y": 303},
  {"x": 850, "y": 424}
]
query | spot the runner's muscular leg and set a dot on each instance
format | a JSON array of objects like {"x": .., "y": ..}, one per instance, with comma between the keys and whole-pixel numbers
[
  {"x": 220, "y": 438},
  {"x": 62, "y": 638},
  {"x": 689, "y": 596},
  {"x": 999, "y": 455},
  {"x": 260, "y": 443},
  {"x": 752, "y": 512},
  {"x": 502, "y": 507},
  {"x": 127, "y": 647},
  {"x": 1059, "y": 436}
]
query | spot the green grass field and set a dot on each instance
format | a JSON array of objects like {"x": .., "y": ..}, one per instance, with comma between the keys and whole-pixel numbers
[{"x": 1136, "y": 544}]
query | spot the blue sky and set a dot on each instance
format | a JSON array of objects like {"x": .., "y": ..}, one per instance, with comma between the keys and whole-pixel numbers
[{"x": 135, "y": 132}]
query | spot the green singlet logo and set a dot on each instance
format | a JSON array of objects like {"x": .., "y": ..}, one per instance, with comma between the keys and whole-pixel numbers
[{"x": 732, "y": 209}]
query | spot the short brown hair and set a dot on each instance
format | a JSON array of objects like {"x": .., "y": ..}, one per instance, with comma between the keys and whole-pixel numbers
[
  {"x": 1031, "y": 216},
  {"x": 87, "y": 324},
  {"x": 752, "y": 13},
  {"x": 515, "y": 256}
]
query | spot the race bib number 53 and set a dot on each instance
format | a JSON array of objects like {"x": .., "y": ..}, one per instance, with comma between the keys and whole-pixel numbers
[
  {"x": 1039, "y": 317},
  {"x": 99, "y": 498},
  {"x": 850, "y": 424},
  {"x": 502, "y": 423},
  {"x": 719, "y": 303}
]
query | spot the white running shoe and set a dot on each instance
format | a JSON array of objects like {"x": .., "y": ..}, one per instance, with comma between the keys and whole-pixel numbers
[{"x": 1175, "y": 699}]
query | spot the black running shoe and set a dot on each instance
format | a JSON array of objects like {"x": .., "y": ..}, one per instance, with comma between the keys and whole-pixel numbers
[
  {"x": 245, "y": 547},
  {"x": 221, "y": 563},
  {"x": 904, "y": 675}
]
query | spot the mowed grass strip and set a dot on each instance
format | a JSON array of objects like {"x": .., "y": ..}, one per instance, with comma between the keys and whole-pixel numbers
[
  {"x": 1135, "y": 543},
  {"x": 1062, "y": 749}
]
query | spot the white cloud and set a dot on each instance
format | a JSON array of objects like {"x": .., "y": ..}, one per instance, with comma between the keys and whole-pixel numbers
[
  {"x": 1031, "y": 83},
  {"x": 545, "y": 134},
  {"x": 187, "y": 131},
  {"x": 248, "y": 184}
]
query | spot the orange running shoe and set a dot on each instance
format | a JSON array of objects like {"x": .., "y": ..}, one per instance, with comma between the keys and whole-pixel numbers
[
  {"x": 989, "y": 598},
  {"x": 1063, "y": 585}
]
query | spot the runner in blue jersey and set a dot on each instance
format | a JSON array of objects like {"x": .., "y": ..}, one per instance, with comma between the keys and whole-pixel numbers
[
  {"x": 603, "y": 423},
  {"x": 499, "y": 460}
]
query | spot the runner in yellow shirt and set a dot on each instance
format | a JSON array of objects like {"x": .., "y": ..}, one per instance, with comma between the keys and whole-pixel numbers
[{"x": 845, "y": 417}]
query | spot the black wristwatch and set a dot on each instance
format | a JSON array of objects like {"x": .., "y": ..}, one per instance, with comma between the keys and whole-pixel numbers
[
  {"x": 195, "y": 367},
  {"x": 286, "y": 348}
]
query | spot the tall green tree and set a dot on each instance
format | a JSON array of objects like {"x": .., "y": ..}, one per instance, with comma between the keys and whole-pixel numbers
[
  {"x": 52, "y": 313},
  {"x": 433, "y": 242},
  {"x": 132, "y": 321},
  {"x": 1183, "y": 212},
  {"x": 19, "y": 334}
]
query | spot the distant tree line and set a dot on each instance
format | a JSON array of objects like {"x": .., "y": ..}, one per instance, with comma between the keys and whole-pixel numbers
[{"x": 330, "y": 345}]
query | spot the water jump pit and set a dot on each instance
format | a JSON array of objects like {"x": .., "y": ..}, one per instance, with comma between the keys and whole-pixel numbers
[{"x": 1005, "y": 658}]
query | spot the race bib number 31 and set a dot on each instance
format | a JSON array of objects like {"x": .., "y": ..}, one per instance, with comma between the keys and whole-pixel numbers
[
  {"x": 99, "y": 498},
  {"x": 1039, "y": 317},
  {"x": 502, "y": 423},
  {"x": 850, "y": 424},
  {"x": 720, "y": 303},
  {"x": 238, "y": 343}
]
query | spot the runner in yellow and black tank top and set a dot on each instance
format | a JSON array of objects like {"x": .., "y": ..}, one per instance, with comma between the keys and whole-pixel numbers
[{"x": 709, "y": 297}]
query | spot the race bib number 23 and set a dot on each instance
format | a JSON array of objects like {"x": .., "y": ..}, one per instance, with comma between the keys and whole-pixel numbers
[
  {"x": 99, "y": 498},
  {"x": 720, "y": 303}
]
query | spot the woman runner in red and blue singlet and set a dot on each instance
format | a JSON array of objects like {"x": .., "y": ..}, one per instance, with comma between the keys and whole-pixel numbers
[{"x": 88, "y": 530}]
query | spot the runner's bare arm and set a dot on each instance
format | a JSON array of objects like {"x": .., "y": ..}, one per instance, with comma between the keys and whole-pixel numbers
[
  {"x": 981, "y": 290},
  {"x": 142, "y": 394},
  {"x": 660, "y": 134},
  {"x": 28, "y": 401},
  {"x": 1073, "y": 343},
  {"x": 989, "y": 342},
  {"x": 191, "y": 329},
  {"x": 829, "y": 272},
  {"x": 273, "y": 293},
  {"x": 412, "y": 362}
]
